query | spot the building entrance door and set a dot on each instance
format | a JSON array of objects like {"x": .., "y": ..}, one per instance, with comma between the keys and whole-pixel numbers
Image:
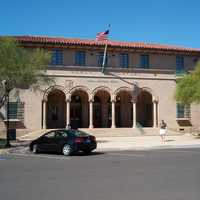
[
  {"x": 123, "y": 109},
  {"x": 56, "y": 106},
  {"x": 102, "y": 110},
  {"x": 145, "y": 109},
  {"x": 97, "y": 115},
  {"x": 75, "y": 115},
  {"x": 76, "y": 112}
]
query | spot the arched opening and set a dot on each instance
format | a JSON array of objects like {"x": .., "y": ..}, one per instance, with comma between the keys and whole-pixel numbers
[
  {"x": 79, "y": 110},
  {"x": 102, "y": 110},
  {"x": 56, "y": 110},
  {"x": 124, "y": 109},
  {"x": 145, "y": 109}
]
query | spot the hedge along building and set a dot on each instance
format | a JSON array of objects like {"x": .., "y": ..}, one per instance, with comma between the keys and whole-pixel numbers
[{"x": 137, "y": 88}]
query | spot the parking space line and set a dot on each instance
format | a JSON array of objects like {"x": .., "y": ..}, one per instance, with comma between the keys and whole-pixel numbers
[{"x": 41, "y": 156}]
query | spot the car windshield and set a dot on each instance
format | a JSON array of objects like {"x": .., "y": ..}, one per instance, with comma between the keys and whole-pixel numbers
[{"x": 77, "y": 133}]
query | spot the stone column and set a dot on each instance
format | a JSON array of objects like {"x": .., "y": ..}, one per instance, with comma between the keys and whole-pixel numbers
[
  {"x": 158, "y": 116},
  {"x": 68, "y": 113},
  {"x": 91, "y": 114},
  {"x": 44, "y": 114},
  {"x": 113, "y": 114},
  {"x": 134, "y": 113},
  {"x": 154, "y": 114}
]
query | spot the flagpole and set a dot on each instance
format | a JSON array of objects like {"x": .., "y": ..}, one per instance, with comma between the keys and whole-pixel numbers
[
  {"x": 105, "y": 49},
  {"x": 104, "y": 58}
]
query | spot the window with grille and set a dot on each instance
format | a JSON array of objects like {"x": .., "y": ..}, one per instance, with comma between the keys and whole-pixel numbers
[
  {"x": 80, "y": 58},
  {"x": 144, "y": 61},
  {"x": 124, "y": 60},
  {"x": 180, "y": 64},
  {"x": 57, "y": 57},
  {"x": 183, "y": 111}
]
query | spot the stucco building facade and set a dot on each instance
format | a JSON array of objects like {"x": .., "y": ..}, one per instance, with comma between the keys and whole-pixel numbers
[{"x": 136, "y": 89}]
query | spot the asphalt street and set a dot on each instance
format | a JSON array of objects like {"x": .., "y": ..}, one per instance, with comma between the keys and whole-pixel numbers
[{"x": 135, "y": 175}]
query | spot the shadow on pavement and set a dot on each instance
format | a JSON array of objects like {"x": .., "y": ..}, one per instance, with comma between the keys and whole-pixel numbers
[
  {"x": 101, "y": 141},
  {"x": 78, "y": 154},
  {"x": 169, "y": 140},
  {"x": 90, "y": 154}
]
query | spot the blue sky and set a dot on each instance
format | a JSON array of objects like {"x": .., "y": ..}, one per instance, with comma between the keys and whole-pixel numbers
[{"x": 154, "y": 21}]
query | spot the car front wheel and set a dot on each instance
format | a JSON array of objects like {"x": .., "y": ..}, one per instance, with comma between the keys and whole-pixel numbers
[{"x": 67, "y": 150}]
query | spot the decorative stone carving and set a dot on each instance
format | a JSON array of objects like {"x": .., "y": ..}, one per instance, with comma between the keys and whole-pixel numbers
[
  {"x": 68, "y": 84},
  {"x": 134, "y": 99},
  {"x": 113, "y": 98},
  {"x": 155, "y": 99},
  {"x": 91, "y": 98}
]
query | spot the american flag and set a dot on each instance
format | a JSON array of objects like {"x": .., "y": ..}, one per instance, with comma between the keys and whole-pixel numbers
[{"x": 102, "y": 36}]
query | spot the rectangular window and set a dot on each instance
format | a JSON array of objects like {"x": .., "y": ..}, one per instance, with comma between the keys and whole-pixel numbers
[
  {"x": 179, "y": 64},
  {"x": 144, "y": 61},
  {"x": 16, "y": 110},
  {"x": 12, "y": 110},
  {"x": 100, "y": 59},
  {"x": 80, "y": 58},
  {"x": 183, "y": 111},
  {"x": 57, "y": 57},
  {"x": 124, "y": 60}
]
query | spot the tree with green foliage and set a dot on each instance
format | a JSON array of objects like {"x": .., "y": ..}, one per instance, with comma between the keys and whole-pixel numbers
[
  {"x": 21, "y": 68},
  {"x": 188, "y": 87}
]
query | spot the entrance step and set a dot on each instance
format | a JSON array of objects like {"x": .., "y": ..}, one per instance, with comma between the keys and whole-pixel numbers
[
  {"x": 127, "y": 132},
  {"x": 106, "y": 132}
]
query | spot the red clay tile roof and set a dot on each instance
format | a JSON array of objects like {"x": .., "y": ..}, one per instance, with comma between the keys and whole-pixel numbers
[{"x": 84, "y": 42}]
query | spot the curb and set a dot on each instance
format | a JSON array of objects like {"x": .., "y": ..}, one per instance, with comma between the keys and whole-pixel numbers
[
  {"x": 114, "y": 149},
  {"x": 149, "y": 148}
]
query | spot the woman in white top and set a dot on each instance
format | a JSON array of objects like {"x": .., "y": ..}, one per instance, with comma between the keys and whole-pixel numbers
[{"x": 163, "y": 129}]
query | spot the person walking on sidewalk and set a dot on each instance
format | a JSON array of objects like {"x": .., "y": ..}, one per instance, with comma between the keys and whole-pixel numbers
[{"x": 163, "y": 130}]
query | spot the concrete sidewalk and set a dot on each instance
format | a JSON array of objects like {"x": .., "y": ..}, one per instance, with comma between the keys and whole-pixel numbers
[
  {"x": 146, "y": 142},
  {"x": 134, "y": 143}
]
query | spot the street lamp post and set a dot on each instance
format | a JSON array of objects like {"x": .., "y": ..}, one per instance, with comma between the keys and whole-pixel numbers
[{"x": 8, "y": 121}]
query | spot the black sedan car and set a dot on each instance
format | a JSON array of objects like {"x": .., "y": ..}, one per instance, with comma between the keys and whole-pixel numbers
[{"x": 66, "y": 142}]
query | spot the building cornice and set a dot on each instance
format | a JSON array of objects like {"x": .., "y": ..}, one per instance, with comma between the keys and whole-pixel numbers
[{"x": 52, "y": 42}]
